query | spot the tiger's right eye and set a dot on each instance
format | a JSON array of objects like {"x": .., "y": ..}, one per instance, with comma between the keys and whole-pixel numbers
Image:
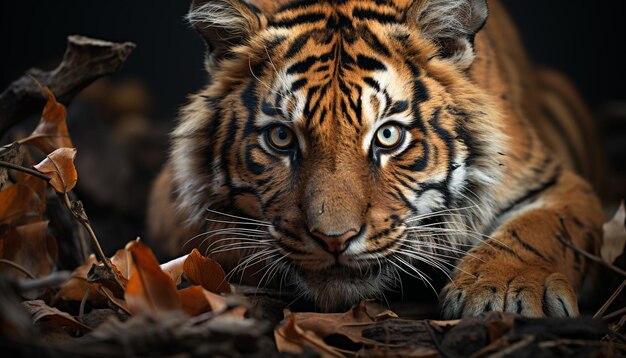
[{"x": 280, "y": 137}]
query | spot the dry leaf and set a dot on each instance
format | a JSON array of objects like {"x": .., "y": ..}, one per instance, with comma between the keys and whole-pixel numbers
[
  {"x": 149, "y": 291},
  {"x": 41, "y": 311},
  {"x": 77, "y": 286},
  {"x": 23, "y": 202},
  {"x": 174, "y": 268},
  {"x": 301, "y": 328},
  {"x": 29, "y": 246},
  {"x": 205, "y": 272},
  {"x": 123, "y": 261},
  {"x": 291, "y": 338},
  {"x": 59, "y": 165},
  {"x": 196, "y": 300},
  {"x": 51, "y": 132},
  {"x": 614, "y": 236}
]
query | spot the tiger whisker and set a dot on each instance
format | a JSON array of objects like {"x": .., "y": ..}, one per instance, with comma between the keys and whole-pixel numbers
[{"x": 237, "y": 217}]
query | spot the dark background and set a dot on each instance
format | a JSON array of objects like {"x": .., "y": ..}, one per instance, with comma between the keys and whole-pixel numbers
[{"x": 583, "y": 39}]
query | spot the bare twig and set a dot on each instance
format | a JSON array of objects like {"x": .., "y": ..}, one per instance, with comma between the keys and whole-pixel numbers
[
  {"x": 77, "y": 210},
  {"x": 608, "y": 303},
  {"x": 614, "y": 314},
  {"x": 24, "y": 170},
  {"x": 54, "y": 279},
  {"x": 85, "y": 60},
  {"x": 113, "y": 301},
  {"x": 18, "y": 267},
  {"x": 567, "y": 241}
]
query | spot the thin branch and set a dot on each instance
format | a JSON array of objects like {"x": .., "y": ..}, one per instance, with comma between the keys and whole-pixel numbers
[
  {"x": 78, "y": 212},
  {"x": 18, "y": 267},
  {"x": 53, "y": 280},
  {"x": 25, "y": 170},
  {"x": 567, "y": 241},
  {"x": 608, "y": 303}
]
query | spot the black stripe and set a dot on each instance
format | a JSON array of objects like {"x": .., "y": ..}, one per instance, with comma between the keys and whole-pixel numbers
[
  {"x": 302, "y": 66},
  {"x": 366, "y": 14},
  {"x": 301, "y": 19},
  {"x": 296, "y": 85},
  {"x": 496, "y": 245},
  {"x": 372, "y": 83},
  {"x": 373, "y": 41},
  {"x": 530, "y": 248},
  {"x": 530, "y": 194},
  {"x": 419, "y": 163},
  {"x": 251, "y": 165},
  {"x": 296, "y": 45},
  {"x": 398, "y": 107},
  {"x": 369, "y": 63}
]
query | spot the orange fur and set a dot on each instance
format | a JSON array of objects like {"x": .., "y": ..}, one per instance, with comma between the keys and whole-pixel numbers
[{"x": 477, "y": 168}]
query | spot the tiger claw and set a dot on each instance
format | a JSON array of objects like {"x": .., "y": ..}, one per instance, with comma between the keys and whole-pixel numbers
[{"x": 529, "y": 291}]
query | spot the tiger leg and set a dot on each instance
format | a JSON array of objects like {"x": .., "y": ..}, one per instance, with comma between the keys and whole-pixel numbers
[{"x": 524, "y": 267}]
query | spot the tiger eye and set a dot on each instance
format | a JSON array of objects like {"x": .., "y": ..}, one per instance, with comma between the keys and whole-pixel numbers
[
  {"x": 388, "y": 136},
  {"x": 281, "y": 137}
]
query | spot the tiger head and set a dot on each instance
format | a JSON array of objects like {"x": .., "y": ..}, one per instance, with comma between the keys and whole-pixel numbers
[{"x": 348, "y": 133}]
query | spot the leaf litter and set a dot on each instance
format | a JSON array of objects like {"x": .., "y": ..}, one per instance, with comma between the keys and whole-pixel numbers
[{"x": 130, "y": 304}]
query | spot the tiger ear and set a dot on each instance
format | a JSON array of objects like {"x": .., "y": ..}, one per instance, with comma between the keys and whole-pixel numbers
[
  {"x": 224, "y": 24},
  {"x": 452, "y": 25}
]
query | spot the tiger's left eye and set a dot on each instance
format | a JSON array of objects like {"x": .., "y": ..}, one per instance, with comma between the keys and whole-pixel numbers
[
  {"x": 280, "y": 137},
  {"x": 389, "y": 136}
]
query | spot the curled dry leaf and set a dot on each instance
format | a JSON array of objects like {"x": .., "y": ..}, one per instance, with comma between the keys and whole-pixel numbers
[
  {"x": 39, "y": 310},
  {"x": 614, "y": 236},
  {"x": 149, "y": 291},
  {"x": 205, "y": 272},
  {"x": 298, "y": 327},
  {"x": 51, "y": 132},
  {"x": 59, "y": 165},
  {"x": 291, "y": 338},
  {"x": 29, "y": 246},
  {"x": 174, "y": 268}
]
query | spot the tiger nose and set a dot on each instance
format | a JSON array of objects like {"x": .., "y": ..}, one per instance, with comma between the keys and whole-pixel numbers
[{"x": 335, "y": 243}]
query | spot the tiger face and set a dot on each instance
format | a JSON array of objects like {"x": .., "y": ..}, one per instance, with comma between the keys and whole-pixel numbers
[{"x": 347, "y": 132}]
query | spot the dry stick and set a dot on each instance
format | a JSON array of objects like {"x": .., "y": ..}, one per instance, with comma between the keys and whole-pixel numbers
[
  {"x": 81, "y": 217},
  {"x": 567, "y": 241},
  {"x": 79, "y": 214},
  {"x": 18, "y": 267},
  {"x": 25, "y": 170},
  {"x": 84, "y": 61},
  {"x": 614, "y": 314},
  {"x": 608, "y": 303}
]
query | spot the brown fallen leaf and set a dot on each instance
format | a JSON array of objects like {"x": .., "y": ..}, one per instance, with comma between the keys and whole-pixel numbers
[
  {"x": 59, "y": 165},
  {"x": 29, "y": 246},
  {"x": 76, "y": 288},
  {"x": 290, "y": 338},
  {"x": 39, "y": 310},
  {"x": 51, "y": 133},
  {"x": 149, "y": 291},
  {"x": 196, "y": 300},
  {"x": 301, "y": 327},
  {"x": 205, "y": 272},
  {"x": 614, "y": 236},
  {"x": 174, "y": 268},
  {"x": 23, "y": 202}
]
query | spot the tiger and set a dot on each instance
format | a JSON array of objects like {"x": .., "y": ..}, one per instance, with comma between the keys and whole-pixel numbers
[{"x": 340, "y": 145}]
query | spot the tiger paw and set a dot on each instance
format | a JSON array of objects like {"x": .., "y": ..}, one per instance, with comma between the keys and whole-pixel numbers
[{"x": 532, "y": 291}]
